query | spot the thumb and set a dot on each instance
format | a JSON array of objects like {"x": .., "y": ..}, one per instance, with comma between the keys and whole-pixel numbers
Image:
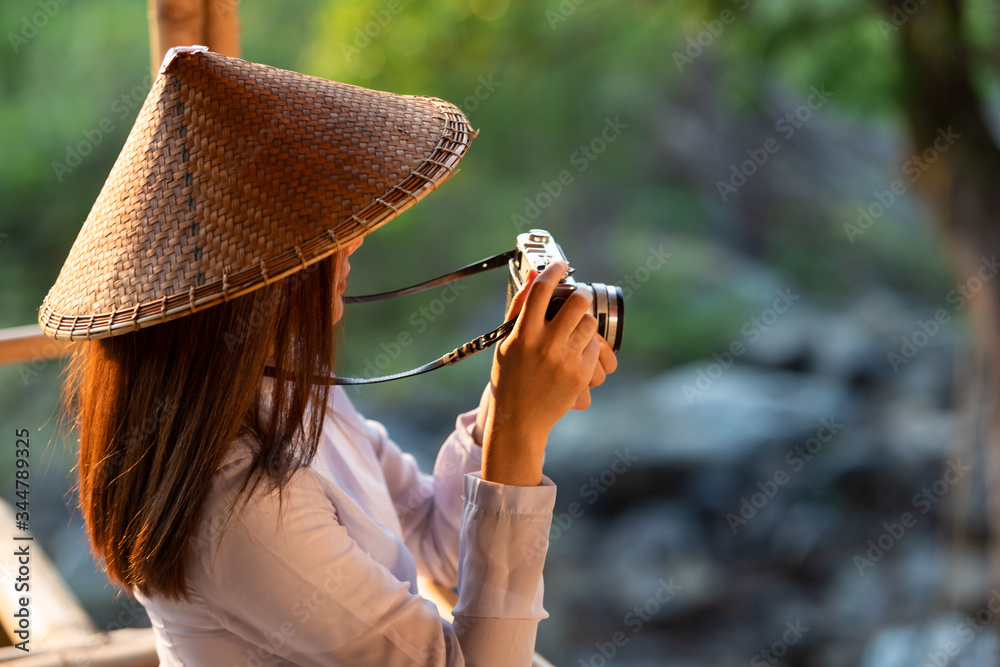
[{"x": 517, "y": 303}]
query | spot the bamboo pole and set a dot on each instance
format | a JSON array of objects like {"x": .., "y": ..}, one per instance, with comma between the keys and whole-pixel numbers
[
  {"x": 174, "y": 23},
  {"x": 222, "y": 27},
  {"x": 212, "y": 23},
  {"x": 55, "y": 614},
  {"x": 28, "y": 345},
  {"x": 129, "y": 647}
]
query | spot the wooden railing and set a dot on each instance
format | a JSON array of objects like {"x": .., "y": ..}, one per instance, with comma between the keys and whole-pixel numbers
[
  {"x": 62, "y": 634},
  {"x": 28, "y": 345}
]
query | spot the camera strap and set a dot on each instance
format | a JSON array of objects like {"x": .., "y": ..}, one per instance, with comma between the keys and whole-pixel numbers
[
  {"x": 494, "y": 262},
  {"x": 474, "y": 346}
]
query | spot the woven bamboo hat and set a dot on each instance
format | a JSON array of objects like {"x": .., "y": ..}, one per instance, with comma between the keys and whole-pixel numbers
[{"x": 236, "y": 175}]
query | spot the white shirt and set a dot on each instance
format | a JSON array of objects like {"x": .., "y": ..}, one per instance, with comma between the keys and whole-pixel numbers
[{"x": 334, "y": 581}]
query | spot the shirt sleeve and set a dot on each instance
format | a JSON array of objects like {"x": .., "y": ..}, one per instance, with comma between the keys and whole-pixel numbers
[
  {"x": 430, "y": 506},
  {"x": 302, "y": 589},
  {"x": 504, "y": 539}
]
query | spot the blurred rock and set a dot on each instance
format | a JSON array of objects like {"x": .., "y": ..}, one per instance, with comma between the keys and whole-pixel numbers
[
  {"x": 733, "y": 416},
  {"x": 744, "y": 494},
  {"x": 945, "y": 640}
]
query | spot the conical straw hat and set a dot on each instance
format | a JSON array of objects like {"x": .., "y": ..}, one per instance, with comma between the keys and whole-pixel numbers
[{"x": 236, "y": 175}]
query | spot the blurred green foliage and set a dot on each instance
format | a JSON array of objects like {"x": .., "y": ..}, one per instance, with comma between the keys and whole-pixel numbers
[{"x": 541, "y": 81}]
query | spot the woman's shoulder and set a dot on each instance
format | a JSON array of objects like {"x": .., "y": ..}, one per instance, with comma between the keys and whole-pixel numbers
[
  {"x": 229, "y": 507},
  {"x": 351, "y": 423},
  {"x": 340, "y": 408}
]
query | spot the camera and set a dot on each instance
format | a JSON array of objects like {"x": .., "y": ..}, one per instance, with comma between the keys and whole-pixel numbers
[{"x": 536, "y": 249}]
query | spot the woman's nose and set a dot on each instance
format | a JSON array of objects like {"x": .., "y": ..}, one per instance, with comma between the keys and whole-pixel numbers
[{"x": 354, "y": 246}]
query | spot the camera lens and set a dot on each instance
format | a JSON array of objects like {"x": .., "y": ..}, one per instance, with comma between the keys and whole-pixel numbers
[{"x": 608, "y": 307}]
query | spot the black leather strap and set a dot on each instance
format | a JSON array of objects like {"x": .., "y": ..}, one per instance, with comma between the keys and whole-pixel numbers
[
  {"x": 494, "y": 262},
  {"x": 485, "y": 341},
  {"x": 472, "y": 347}
]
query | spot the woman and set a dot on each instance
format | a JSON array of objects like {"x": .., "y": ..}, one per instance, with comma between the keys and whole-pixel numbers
[{"x": 263, "y": 521}]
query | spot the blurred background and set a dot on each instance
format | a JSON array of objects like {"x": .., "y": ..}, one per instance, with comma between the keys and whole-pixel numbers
[{"x": 787, "y": 467}]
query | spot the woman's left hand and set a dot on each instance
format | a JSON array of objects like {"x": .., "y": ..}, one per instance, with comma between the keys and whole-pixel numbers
[{"x": 606, "y": 366}]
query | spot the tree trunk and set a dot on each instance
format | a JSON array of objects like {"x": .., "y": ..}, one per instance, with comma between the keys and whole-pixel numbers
[{"x": 961, "y": 180}]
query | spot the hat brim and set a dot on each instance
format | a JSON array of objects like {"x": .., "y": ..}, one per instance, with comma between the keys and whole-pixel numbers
[{"x": 236, "y": 175}]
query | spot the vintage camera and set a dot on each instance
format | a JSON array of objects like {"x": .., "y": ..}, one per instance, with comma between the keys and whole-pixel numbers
[{"x": 536, "y": 250}]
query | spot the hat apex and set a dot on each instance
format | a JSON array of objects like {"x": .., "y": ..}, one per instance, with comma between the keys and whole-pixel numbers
[{"x": 236, "y": 175}]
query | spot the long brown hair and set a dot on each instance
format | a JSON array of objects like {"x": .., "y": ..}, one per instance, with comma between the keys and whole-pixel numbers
[{"x": 157, "y": 409}]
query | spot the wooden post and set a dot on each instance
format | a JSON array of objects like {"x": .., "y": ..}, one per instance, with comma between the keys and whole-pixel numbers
[
  {"x": 213, "y": 23},
  {"x": 222, "y": 27},
  {"x": 946, "y": 114},
  {"x": 56, "y": 614},
  {"x": 28, "y": 345}
]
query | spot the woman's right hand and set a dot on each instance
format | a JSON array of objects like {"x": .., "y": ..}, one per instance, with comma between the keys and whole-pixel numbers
[{"x": 540, "y": 371}]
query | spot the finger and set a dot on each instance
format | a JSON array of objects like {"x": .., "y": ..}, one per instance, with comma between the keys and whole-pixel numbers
[
  {"x": 483, "y": 415},
  {"x": 579, "y": 303},
  {"x": 539, "y": 294},
  {"x": 582, "y": 401},
  {"x": 597, "y": 379},
  {"x": 608, "y": 358},
  {"x": 584, "y": 333},
  {"x": 487, "y": 394},
  {"x": 517, "y": 303},
  {"x": 591, "y": 353}
]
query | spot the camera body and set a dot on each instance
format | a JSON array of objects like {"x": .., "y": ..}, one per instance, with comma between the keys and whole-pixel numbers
[{"x": 536, "y": 249}]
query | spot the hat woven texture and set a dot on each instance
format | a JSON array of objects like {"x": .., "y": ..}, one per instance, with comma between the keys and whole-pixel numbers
[{"x": 236, "y": 175}]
